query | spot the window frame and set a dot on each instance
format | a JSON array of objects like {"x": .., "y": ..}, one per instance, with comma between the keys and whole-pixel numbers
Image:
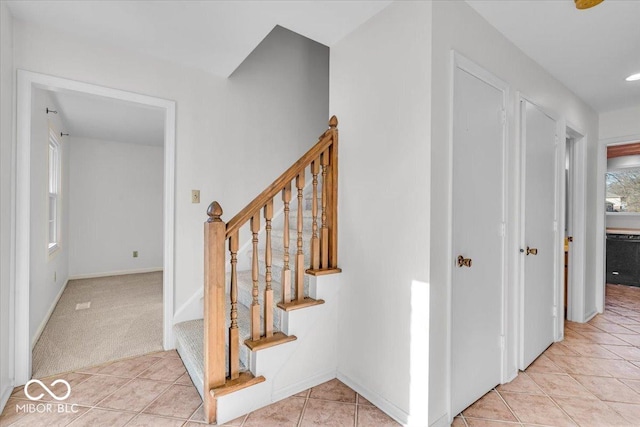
[{"x": 54, "y": 190}]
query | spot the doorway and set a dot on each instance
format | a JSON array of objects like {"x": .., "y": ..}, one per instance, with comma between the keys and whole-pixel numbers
[{"x": 26, "y": 83}]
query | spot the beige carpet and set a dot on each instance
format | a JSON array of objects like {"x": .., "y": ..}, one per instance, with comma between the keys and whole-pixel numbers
[{"x": 124, "y": 320}]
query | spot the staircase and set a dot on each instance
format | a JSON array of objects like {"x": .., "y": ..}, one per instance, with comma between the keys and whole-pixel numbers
[{"x": 270, "y": 310}]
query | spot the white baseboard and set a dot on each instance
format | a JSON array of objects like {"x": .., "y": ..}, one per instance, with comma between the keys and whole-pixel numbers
[
  {"x": 591, "y": 315},
  {"x": 115, "y": 273},
  {"x": 383, "y": 404},
  {"x": 4, "y": 397},
  {"x": 443, "y": 421},
  {"x": 48, "y": 315},
  {"x": 303, "y": 385}
]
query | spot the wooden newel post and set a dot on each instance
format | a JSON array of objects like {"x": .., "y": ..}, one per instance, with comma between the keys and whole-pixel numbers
[{"x": 214, "y": 309}]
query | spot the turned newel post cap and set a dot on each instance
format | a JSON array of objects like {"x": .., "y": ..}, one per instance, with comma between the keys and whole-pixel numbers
[
  {"x": 215, "y": 212},
  {"x": 333, "y": 122}
]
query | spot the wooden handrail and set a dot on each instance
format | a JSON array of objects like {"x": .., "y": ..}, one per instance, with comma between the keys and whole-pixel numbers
[{"x": 326, "y": 140}]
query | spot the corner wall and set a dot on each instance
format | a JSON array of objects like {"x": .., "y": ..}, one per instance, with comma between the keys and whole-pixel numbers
[
  {"x": 7, "y": 79},
  {"x": 380, "y": 91},
  {"x": 457, "y": 26}
]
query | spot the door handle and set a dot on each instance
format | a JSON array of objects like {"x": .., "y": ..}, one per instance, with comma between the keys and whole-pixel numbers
[
  {"x": 532, "y": 251},
  {"x": 464, "y": 262}
]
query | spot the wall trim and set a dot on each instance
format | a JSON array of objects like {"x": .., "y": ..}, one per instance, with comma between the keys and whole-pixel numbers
[
  {"x": 4, "y": 397},
  {"x": 26, "y": 80},
  {"x": 47, "y": 316},
  {"x": 383, "y": 404},
  {"x": 443, "y": 421},
  {"x": 115, "y": 273},
  {"x": 590, "y": 315}
]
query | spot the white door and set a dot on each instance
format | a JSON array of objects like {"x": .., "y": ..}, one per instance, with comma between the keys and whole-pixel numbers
[
  {"x": 538, "y": 247},
  {"x": 478, "y": 236}
]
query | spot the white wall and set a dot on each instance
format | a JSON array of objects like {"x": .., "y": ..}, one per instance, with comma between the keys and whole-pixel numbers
[
  {"x": 380, "y": 91},
  {"x": 620, "y": 123},
  {"x": 457, "y": 26},
  {"x": 6, "y": 132},
  {"x": 230, "y": 142},
  {"x": 116, "y": 193},
  {"x": 48, "y": 272}
]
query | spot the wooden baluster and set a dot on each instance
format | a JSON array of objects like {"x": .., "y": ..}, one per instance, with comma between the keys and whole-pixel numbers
[
  {"x": 324, "y": 257},
  {"x": 268, "y": 292},
  {"x": 286, "y": 271},
  {"x": 255, "y": 306},
  {"x": 234, "y": 356},
  {"x": 300, "y": 254},
  {"x": 315, "y": 242},
  {"x": 333, "y": 195},
  {"x": 214, "y": 310}
]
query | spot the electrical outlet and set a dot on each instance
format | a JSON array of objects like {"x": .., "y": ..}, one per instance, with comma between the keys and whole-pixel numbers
[
  {"x": 195, "y": 196},
  {"x": 135, "y": 254}
]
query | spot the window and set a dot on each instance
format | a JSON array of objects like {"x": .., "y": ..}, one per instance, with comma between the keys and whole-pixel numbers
[
  {"x": 54, "y": 191},
  {"x": 623, "y": 190}
]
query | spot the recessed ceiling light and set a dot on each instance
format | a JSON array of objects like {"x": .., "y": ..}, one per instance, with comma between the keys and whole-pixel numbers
[{"x": 633, "y": 77}]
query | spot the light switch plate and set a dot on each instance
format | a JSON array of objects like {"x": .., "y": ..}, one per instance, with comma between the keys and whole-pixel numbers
[{"x": 195, "y": 196}]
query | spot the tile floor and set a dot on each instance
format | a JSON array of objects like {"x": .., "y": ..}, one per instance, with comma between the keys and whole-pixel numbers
[
  {"x": 592, "y": 378},
  {"x": 154, "y": 390}
]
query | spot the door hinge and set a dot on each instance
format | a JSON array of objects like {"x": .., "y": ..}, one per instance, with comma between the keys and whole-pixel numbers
[
  {"x": 555, "y": 311},
  {"x": 502, "y": 342},
  {"x": 555, "y": 225},
  {"x": 557, "y": 140},
  {"x": 504, "y": 116},
  {"x": 503, "y": 230}
]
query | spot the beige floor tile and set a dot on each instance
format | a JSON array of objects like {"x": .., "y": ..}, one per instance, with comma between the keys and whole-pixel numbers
[
  {"x": 581, "y": 327},
  {"x": 478, "y": 422},
  {"x": 370, "y": 416},
  {"x": 144, "y": 420},
  {"x": 593, "y": 350},
  {"x": 303, "y": 393},
  {"x": 535, "y": 409},
  {"x": 590, "y": 412},
  {"x": 614, "y": 328},
  {"x": 329, "y": 413},
  {"x": 609, "y": 389},
  {"x": 560, "y": 350},
  {"x": 178, "y": 401},
  {"x": 284, "y": 413},
  {"x": 135, "y": 395},
  {"x": 198, "y": 417},
  {"x": 129, "y": 368},
  {"x": 621, "y": 369},
  {"x": 579, "y": 365},
  {"x": 333, "y": 390},
  {"x": 603, "y": 338},
  {"x": 168, "y": 369},
  {"x": 544, "y": 365},
  {"x": 363, "y": 401},
  {"x": 99, "y": 417},
  {"x": 560, "y": 385},
  {"x": 520, "y": 384},
  {"x": 633, "y": 339},
  {"x": 184, "y": 380},
  {"x": 94, "y": 389},
  {"x": 626, "y": 352},
  {"x": 73, "y": 378},
  {"x": 629, "y": 411},
  {"x": 490, "y": 406}
]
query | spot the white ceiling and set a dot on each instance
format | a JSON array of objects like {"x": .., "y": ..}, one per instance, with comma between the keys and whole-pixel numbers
[
  {"x": 98, "y": 117},
  {"x": 215, "y": 36},
  {"x": 590, "y": 51}
]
